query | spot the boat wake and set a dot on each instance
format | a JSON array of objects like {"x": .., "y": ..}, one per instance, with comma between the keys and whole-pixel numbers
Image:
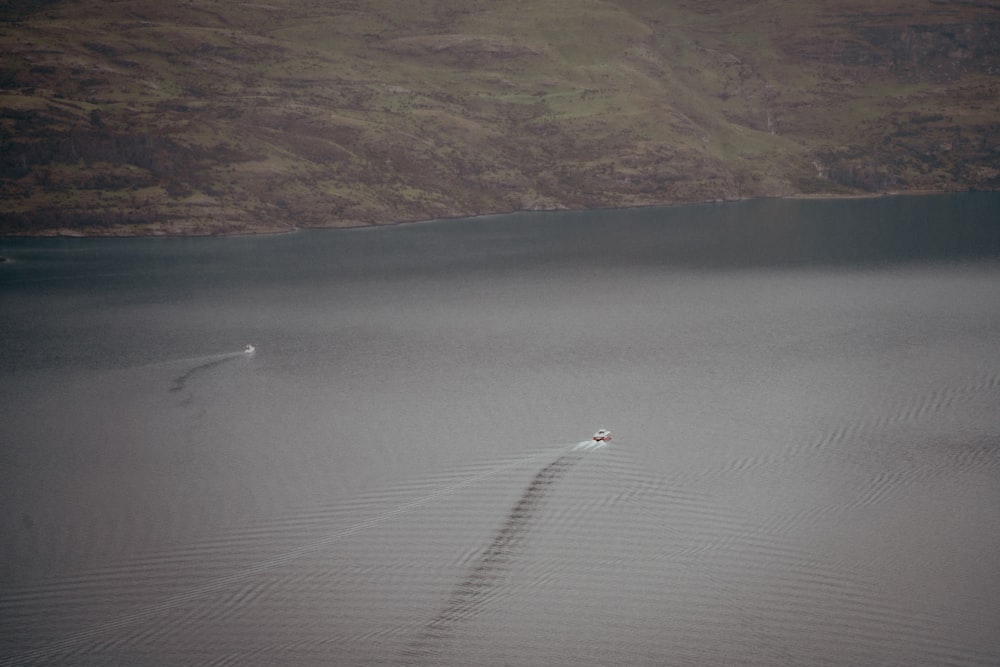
[
  {"x": 207, "y": 363},
  {"x": 99, "y": 633},
  {"x": 485, "y": 574}
]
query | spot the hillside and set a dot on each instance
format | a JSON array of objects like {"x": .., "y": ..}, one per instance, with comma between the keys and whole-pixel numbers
[{"x": 144, "y": 117}]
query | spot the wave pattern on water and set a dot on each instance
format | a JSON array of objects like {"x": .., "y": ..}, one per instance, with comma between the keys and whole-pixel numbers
[
  {"x": 485, "y": 573},
  {"x": 775, "y": 597},
  {"x": 773, "y": 583},
  {"x": 231, "y": 590},
  {"x": 921, "y": 406},
  {"x": 935, "y": 402},
  {"x": 180, "y": 381}
]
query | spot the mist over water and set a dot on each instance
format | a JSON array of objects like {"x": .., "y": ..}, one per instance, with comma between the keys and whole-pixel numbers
[{"x": 806, "y": 465}]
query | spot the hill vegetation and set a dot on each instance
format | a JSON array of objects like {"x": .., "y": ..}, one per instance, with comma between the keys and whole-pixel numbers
[{"x": 210, "y": 117}]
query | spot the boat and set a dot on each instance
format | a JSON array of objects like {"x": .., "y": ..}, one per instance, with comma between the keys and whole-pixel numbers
[
  {"x": 604, "y": 435},
  {"x": 249, "y": 349}
]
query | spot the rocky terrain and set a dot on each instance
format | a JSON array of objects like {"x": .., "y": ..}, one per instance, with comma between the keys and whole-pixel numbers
[{"x": 212, "y": 117}]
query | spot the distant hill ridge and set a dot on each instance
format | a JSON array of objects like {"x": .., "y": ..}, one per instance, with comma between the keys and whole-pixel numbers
[{"x": 211, "y": 117}]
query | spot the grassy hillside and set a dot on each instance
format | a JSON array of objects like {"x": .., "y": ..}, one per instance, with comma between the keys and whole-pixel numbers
[{"x": 140, "y": 116}]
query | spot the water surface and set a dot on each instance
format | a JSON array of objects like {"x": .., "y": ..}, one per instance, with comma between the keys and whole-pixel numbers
[{"x": 805, "y": 470}]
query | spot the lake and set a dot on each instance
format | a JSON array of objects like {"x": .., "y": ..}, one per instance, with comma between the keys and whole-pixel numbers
[{"x": 805, "y": 467}]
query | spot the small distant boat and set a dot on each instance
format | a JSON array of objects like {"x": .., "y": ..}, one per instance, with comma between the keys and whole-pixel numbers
[
  {"x": 604, "y": 435},
  {"x": 249, "y": 349}
]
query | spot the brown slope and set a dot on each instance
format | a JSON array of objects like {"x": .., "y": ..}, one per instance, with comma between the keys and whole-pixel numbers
[{"x": 215, "y": 117}]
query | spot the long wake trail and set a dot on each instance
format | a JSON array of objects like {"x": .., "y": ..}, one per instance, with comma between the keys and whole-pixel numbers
[
  {"x": 151, "y": 611},
  {"x": 485, "y": 574},
  {"x": 181, "y": 380}
]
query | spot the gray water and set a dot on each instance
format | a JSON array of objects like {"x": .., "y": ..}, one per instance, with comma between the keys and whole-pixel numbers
[{"x": 805, "y": 467}]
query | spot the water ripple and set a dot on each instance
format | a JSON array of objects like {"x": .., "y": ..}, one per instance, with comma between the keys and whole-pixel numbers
[
  {"x": 485, "y": 574},
  {"x": 113, "y": 632}
]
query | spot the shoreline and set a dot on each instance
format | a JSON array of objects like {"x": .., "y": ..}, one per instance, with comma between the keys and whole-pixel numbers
[{"x": 128, "y": 232}]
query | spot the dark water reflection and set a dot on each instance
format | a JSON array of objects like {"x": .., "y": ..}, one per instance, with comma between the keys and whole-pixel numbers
[{"x": 806, "y": 465}]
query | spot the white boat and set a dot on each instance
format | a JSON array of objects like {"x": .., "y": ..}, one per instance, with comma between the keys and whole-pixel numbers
[
  {"x": 604, "y": 435},
  {"x": 249, "y": 349}
]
